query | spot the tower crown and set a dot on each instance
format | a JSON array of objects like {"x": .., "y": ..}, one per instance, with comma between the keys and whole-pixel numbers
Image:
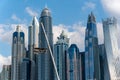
[
  {"x": 91, "y": 18},
  {"x": 63, "y": 38},
  {"x": 63, "y": 34},
  {"x": 45, "y": 12}
]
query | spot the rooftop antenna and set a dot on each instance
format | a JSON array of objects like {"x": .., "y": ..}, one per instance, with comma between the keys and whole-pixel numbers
[{"x": 46, "y": 5}]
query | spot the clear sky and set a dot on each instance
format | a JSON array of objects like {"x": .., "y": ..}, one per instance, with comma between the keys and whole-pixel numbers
[{"x": 70, "y": 15}]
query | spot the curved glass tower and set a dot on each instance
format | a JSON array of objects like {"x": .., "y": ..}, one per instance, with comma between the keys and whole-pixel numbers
[{"x": 44, "y": 61}]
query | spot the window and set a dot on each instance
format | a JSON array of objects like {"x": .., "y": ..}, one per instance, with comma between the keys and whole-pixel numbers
[
  {"x": 86, "y": 43},
  {"x": 90, "y": 40}
]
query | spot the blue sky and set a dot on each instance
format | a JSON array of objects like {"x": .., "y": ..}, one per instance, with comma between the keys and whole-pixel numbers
[
  {"x": 70, "y": 15},
  {"x": 63, "y": 11}
]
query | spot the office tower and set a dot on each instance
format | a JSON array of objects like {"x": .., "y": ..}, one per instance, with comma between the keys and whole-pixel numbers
[
  {"x": 6, "y": 72},
  {"x": 18, "y": 52},
  {"x": 83, "y": 65},
  {"x": 25, "y": 69},
  {"x": 92, "y": 65},
  {"x": 103, "y": 63},
  {"x": 73, "y": 63},
  {"x": 33, "y": 43},
  {"x": 44, "y": 61},
  {"x": 60, "y": 55},
  {"x": 111, "y": 47},
  {"x": 33, "y": 33}
]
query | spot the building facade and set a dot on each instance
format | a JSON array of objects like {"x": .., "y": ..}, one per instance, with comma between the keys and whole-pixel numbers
[
  {"x": 44, "y": 61},
  {"x": 25, "y": 69},
  {"x": 92, "y": 66},
  {"x": 60, "y": 55},
  {"x": 6, "y": 73},
  {"x": 82, "y": 65},
  {"x": 18, "y": 52},
  {"x": 33, "y": 34},
  {"x": 103, "y": 63},
  {"x": 73, "y": 63},
  {"x": 111, "y": 47}
]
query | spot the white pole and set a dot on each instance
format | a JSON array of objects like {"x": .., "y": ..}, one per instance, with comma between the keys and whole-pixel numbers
[{"x": 50, "y": 51}]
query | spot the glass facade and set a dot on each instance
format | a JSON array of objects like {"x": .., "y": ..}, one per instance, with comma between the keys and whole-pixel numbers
[
  {"x": 92, "y": 69},
  {"x": 60, "y": 55},
  {"x": 25, "y": 69},
  {"x": 103, "y": 63},
  {"x": 45, "y": 67},
  {"x": 73, "y": 69}
]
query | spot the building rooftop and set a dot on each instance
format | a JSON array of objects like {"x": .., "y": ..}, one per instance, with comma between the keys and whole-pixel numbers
[
  {"x": 91, "y": 18},
  {"x": 45, "y": 12}
]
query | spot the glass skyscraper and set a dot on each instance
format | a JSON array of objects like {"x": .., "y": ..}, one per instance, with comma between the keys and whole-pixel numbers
[
  {"x": 92, "y": 65},
  {"x": 44, "y": 61},
  {"x": 111, "y": 47},
  {"x": 103, "y": 63},
  {"x": 18, "y": 52},
  {"x": 60, "y": 55},
  {"x": 73, "y": 63},
  {"x": 25, "y": 69}
]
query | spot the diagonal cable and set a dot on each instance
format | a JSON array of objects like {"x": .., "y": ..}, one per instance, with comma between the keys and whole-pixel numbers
[{"x": 50, "y": 51}]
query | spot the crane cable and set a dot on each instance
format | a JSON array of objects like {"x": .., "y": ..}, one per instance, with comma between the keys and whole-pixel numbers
[{"x": 50, "y": 51}]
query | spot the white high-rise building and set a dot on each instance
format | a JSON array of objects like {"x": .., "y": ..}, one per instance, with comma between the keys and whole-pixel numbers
[
  {"x": 35, "y": 25},
  {"x": 111, "y": 46}
]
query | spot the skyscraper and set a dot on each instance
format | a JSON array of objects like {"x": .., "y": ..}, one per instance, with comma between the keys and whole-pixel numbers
[
  {"x": 92, "y": 65},
  {"x": 111, "y": 47},
  {"x": 25, "y": 69},
  {"x": 18, "y": 52},
  {"x": 35, "y": 25},
  {"x": 44, "y": 62},
  {"x": 60, "y": 55},
  {"x": 73, "y": 63},
  {"x": 32, "y": 44},
  {"x": 103, "y": 63}
]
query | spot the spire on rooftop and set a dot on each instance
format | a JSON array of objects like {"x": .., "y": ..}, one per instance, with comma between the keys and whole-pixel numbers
[{"x": 91, "y": 17}]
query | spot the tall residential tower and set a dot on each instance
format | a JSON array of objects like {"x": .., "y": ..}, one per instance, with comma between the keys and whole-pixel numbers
[
  {"x": 44, "y": 61},
  {"x": 73, "y": 63},
  {"x": 92, "y": 65},
  {"x": 60, "y": 55},
  {"x": 18, "y": 52}
]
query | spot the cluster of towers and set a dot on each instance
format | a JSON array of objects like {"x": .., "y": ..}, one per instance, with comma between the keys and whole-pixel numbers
[{"x": 97, "y": 62}]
